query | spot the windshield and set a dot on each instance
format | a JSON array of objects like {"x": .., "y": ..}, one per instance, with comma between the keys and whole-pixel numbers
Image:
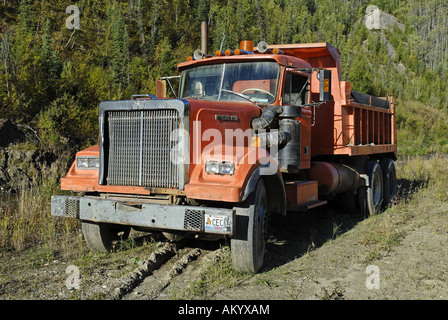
[{"x": 254, "y": 81}]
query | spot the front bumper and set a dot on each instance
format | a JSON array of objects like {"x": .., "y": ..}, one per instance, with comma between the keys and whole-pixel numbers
[{"x": 149, "y": 215}]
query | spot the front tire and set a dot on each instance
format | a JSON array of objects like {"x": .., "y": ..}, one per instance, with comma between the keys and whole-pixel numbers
[
  {"x": 101, "y": 236},
  {"x": 248, "y": 246}
]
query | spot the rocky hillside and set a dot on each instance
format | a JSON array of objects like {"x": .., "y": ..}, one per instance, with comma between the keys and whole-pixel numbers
[{"x": 22, "y": 163}]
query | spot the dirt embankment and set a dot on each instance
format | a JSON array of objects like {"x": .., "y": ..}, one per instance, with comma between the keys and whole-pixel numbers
[{"x": 22, "y": 161}]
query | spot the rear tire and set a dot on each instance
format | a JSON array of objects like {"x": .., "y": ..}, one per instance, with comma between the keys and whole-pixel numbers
[
  {"x": 248, "y": 245},
  {"x": 101, "y": 236},
  {"x": 371, "y": 197},
  {"x": 389, "y": 181}
]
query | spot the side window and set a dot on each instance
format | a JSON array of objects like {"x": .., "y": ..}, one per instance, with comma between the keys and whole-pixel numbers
[{"x": 296, "y": 89}]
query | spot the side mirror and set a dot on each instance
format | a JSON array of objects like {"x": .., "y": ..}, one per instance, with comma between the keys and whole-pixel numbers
[{"x": 324, "y": 77}]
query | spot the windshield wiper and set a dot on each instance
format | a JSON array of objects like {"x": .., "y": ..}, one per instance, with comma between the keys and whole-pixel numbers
[{"x": 238, "y": 94}]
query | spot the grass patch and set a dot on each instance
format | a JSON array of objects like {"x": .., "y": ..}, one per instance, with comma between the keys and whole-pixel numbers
[
  {"x": 381, "y": 237},
  {"x": 25, "y": 222},
  {"x": 422, "y": 129}
]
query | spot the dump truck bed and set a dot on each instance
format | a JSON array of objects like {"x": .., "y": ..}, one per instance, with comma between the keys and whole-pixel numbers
[{"x": 352, "y": 123}]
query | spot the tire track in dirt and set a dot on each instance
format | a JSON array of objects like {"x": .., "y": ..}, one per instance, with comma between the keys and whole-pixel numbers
[
  {"x": 152, "y": 287},
  {"x": 159, "y": 271},
  {"x": 130, "y": 281}
]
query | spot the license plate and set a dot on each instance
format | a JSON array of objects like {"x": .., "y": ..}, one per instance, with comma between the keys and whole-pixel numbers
[{"x": 216, "y": 223}]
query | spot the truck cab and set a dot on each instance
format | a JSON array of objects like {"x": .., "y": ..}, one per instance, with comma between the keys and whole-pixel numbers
[{"x": 254, "y": 133}]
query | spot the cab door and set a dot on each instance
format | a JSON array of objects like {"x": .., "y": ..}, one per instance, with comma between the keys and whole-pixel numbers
[{"x": 296, "y": 99}]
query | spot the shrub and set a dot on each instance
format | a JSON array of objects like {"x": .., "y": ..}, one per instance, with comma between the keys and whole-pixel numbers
[{"x": 65, "y": 119}]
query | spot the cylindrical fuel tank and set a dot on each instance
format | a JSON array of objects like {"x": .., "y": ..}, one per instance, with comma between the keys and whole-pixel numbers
[
  {"x": 289, "y": 155},
  {"x": 333, "y": 178}
]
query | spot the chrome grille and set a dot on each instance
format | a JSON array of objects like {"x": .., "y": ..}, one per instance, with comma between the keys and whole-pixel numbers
[{"x": 141, "y": 147}]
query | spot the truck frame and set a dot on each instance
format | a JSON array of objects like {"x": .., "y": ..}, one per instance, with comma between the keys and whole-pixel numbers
[{"x": 256, "y": 132}]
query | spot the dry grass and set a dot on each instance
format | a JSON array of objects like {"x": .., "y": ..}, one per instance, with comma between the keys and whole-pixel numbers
[
  {"x": 422, "y": 129},
  {"x": 25, "y": 222}
]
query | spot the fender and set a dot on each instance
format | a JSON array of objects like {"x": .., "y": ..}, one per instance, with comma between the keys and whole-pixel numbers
[{"x": 274, "y": 184}]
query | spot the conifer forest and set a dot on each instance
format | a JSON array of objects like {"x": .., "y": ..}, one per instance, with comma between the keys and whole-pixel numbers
[{"x": 54, "y": 74}]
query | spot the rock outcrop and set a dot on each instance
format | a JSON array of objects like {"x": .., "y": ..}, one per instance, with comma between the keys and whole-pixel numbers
[{"x": 22, "y": 163}]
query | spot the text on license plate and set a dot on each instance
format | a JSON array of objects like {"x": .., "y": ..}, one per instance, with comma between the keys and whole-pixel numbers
[{"x": 215, "y": 222}]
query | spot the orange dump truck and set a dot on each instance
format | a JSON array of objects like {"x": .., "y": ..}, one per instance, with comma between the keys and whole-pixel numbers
[{"x": 255, "y": 132}]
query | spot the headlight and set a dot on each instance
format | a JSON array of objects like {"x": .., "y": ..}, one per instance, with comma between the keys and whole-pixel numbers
[
  {"x": 215, "y": 167},
  {"x": 93, "y": 162},
  {"x": 227, "y": 168},
  {"x": 212, "y": 167},
  {"x": 82, "y": 162},
  {"x": 87, "y": 163}
]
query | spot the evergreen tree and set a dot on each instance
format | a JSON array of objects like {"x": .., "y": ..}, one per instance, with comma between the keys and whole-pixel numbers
[
  {"x": 5, "y": 57},
  {"x": 360, "y": 74},
  {"x": 50, "y": 64},
  {"x": 120, "y": 49}
]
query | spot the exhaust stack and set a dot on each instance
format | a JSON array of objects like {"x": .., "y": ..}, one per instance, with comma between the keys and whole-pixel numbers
[{"x": 204, "y": 37}]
